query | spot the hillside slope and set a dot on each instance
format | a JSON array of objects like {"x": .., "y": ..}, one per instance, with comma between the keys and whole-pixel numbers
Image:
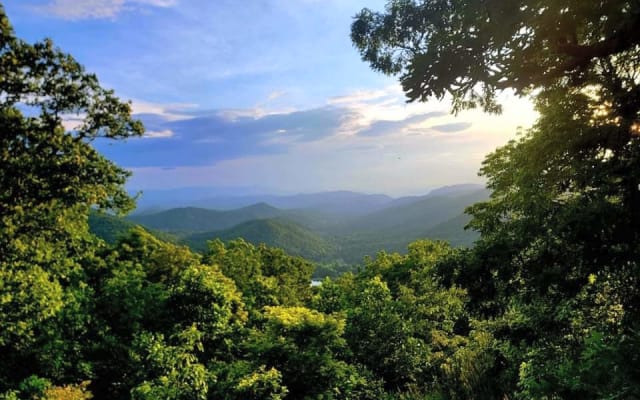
[
  {"x": 192, "y": 219},
  {"x": 108, "y": 227},
  {"x": 414, "y": 218},
  {"x": 293, "y": 238}
]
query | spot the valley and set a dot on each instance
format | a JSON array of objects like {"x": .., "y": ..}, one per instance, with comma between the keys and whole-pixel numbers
[{"x": 333, "y": 229}]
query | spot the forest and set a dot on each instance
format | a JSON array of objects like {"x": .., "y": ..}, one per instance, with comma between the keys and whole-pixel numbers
[
  {"x": 327, "y": 231},
  {"x": 545, "y": 304}
]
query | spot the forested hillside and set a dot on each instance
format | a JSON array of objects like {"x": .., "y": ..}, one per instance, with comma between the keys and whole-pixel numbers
[
  {"x": 198, "y": 220},
  {"x": 293, "y": 238},
  {"x": 322, "y": 236},
  {"x": 544, "y": 305}
]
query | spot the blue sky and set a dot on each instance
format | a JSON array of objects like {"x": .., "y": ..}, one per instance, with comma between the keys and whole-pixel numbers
[{"x": 268, "y": 94}]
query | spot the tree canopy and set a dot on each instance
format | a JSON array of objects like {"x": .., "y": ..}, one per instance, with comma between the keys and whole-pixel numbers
[
  {"x": 470, "y": 49},
  {"x": 553, "y": 276}
]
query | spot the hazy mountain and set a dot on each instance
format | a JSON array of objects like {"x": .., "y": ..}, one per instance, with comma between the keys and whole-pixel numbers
[
  {"x": 455, "y": 190},
  {"x": 452, "y": 190},
  {"x": 415, "y": 217},
  {"x": 293, "y": 238},
  {"x": 336, "y": 202},
  {"x": 341, "y": 202},
  {"x": 317, "y": 233},
  {"x": 158, "y": 200},
  {"x": 392, "y": 229},
  {"x": 453, "y": 231},
  {"x": 191, "y": 219}
]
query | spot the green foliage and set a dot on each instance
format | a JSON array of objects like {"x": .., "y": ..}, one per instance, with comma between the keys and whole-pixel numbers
[
  {"x": 544, "y": 305},
  {"x": 262, "y": 384},
  {"x": 26, "y": 286},
  {"x": 192, "y": 219},
  {"x": 558, "y": 239},
  {"x": 265, "y": 276},
  {"x": 293, "y": 238},
  {"x": 402, "y": 323},
  {"x": 304, "y": 345},
  {"x": 68, "y": 392},
  {"x": 171, "y": 371},
  {"x": 208, "y": 300},
  {"x": 162, "y": 290},
  {"x": 559, "y": 234},
  {"x": 50, "y": 178},
  {"x": 469, "y": 50},
  {"x": 381, "y": 339}
]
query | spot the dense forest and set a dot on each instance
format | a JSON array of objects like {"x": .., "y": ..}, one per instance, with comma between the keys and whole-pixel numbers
[{"x": 544, "y": 305}]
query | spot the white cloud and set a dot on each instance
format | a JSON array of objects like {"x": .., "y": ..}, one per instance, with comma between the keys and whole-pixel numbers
[
  {"x": 418, "y": 145},
  {"x": 157, "y": 3},
  {"x": 97, "y": 9},
  {"x": 360, "y": 96},
  {"x": 255, "y": 113},
  {"x": 168, "y": 111},
  {"x": 166, "y": 133},
  {"x": 276, "y": 94}
]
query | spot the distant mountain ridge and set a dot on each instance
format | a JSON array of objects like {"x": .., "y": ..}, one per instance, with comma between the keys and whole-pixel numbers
[
  {"x": 415, "y": 217},
  {"x": 318, "y": 233},
  {"x": 192, "y": 219},
  {"x": 341, "y": 202}
]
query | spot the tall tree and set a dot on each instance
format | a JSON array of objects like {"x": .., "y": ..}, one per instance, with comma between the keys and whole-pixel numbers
[
  {"x": 471, "y": 49},
  {"x": 556, "y": 266},
  {"x": 50, "y": 176}
]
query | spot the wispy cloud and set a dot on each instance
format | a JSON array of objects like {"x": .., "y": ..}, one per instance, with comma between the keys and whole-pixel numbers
[
  {"x": 276, "y": 94},
  {"x": 195, "y": 137},
  {"x": 452, "y": 127},
  {"x": 207, "y": 137},
  {"x": 367, "y": 141},
  {"x": 167, "y": 133},
  {"x": 359, "y": 96},
  {"x": 386, "y": 127},
  {"x": 167, "y": 112},
  {"x": 97, "y": 9}
]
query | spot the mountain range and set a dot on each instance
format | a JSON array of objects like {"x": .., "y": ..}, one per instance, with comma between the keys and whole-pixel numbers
[{"x": 324, "y": 227}]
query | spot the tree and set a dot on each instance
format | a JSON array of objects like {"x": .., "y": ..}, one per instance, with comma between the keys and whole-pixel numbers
[
  {"x": 471, "y": 49},
  {"x": 264, "y": 275},
  {"x": 152, "y": 290},
  {"x": 411, "y": 330},
  {"x": 382, "y": 340},
  {"x": 554, "y": 274},
  {"x": 44, "y": 165},
  {"x": 559, "y": 249},
  {"x": 50, "y": 178},
  {"x": 172, "y": 371},
  {"x": 304, "y": 345}
]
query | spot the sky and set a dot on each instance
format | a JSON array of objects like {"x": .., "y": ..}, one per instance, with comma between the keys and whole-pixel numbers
[{"x": 266, "y": 96}]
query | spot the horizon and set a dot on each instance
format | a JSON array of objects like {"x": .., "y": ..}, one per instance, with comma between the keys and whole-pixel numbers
[
  {"x": 222, "y": 192},
  {"x": 254, "y": 107}
]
